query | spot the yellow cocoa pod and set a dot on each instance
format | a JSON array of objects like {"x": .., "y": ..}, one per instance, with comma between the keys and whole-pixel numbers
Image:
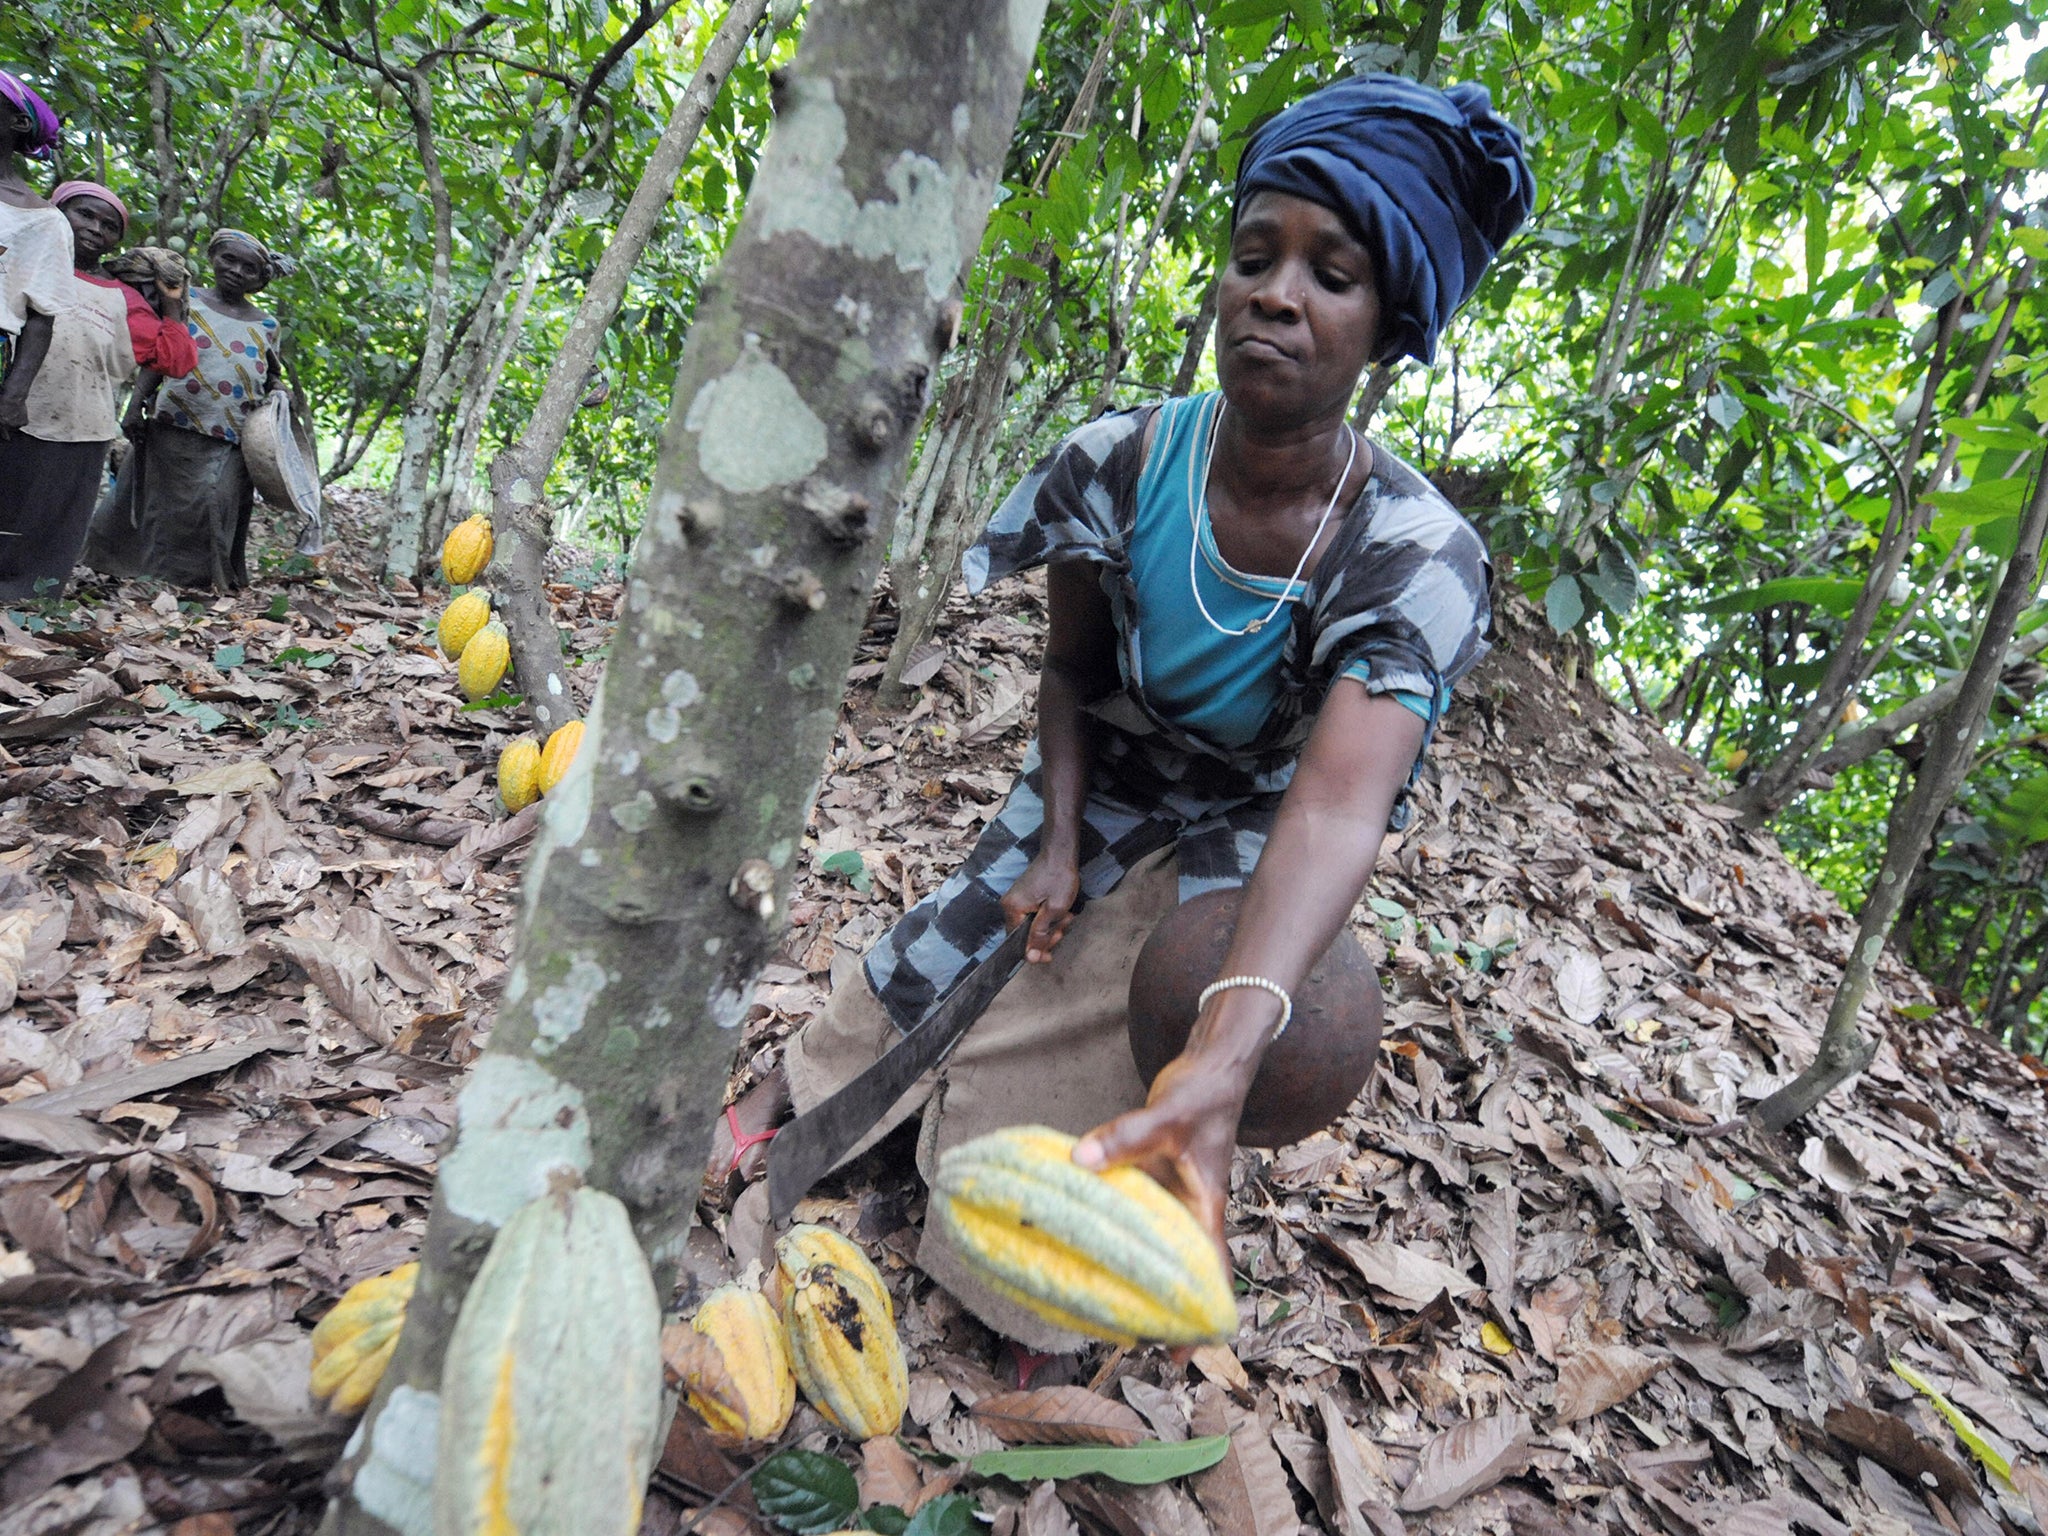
[
  {"x": 559, "y": 753},
  {"x": 551, "y": 1392},
  {"x": 1112, "y": 1255},
  {"x": 466, "y": 550},
  {"x": 354, "y": 1341},
  {"x": 484, "y": 661},
  {"x": 461, "y": 619},
  {"x": 519, "y": 774},
  {"x": 751, "y": 1391},
  {"x": 844, "y": 1350},
  {"x": 806, "y": 1245}
]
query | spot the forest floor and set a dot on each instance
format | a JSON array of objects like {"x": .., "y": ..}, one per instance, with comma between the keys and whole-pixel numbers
[{"x": 256, "y": 900}]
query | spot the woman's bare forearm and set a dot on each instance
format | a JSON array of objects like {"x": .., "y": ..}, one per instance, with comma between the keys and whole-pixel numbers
[
  {"x": 1065, "y": 748},
  {"x": 1317, "y": 860},
  {"x": 1079, "y": 667}
]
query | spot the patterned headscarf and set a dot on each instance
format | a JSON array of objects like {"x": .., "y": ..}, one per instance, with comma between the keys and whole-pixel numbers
[
  {"x": 70, "y": 189},
  {"x": 43, "y": 125},
  {"x": 274, "y": 264},
  {"x": 1431, "y": 181}
]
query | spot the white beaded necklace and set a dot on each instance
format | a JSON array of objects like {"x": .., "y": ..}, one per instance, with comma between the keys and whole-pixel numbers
[{"x": 1198, "y": 508}]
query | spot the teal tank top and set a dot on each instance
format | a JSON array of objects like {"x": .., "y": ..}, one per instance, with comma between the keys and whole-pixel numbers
[{"x": 1216, "y": 686}]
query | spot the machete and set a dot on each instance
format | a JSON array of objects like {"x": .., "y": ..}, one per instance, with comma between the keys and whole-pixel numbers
[{"x": 806, "y": 1149}]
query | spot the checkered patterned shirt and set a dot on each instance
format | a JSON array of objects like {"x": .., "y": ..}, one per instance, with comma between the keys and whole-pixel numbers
[{"x": 1400, "y": 592}]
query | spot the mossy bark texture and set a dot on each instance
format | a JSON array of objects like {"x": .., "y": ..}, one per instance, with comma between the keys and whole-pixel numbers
[{"x": 656, "y": 888}]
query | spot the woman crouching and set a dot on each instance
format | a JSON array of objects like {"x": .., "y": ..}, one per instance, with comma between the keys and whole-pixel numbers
[{"x": 1256, "y": 618}]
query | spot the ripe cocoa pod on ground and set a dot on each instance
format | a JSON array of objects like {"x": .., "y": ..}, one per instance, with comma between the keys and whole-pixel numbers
[
  {"x": 484, "y": 661},
  {"x": 734, "y": 1367},
  {"x": 353, "y": 1343},
  {"x": 806, "y": 1245},
  {"x": 844, "y": 1350},
  {"x": 1111, "y": 1255},
  {"x": 551, "y": 1392},
  {"x": 559, "y": 753},
  {"x": 519, "y": 773},
  {"x": 466, "y": 550},
  {"x": 461, "y": 619}
]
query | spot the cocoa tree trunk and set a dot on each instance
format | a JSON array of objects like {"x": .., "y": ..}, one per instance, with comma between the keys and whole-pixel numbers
[
  {"x": 1141, "y": 261},
  {"x": 1198, "y": 341},
  {"x": 1951, "y": 744},
  {"x": 1973, "y": 941},
  {"x": 1865, "y": 741},
  {"x": 971, "y": 409},
  {"x": 473, "y": 412},
  {"x": 418, "y": 437},
  {"x": 2001, "y": 973},
  {"x": 2016, "y": 1011},
  {"x": 519, "y": 473},
  {"x": 924, "y": 579},
  {"x": 1379, "y": 383},
  {"x": 441, "y": 367},
  {"x": 656, "y": 887},
  {"x": 1780, "y": 781}
]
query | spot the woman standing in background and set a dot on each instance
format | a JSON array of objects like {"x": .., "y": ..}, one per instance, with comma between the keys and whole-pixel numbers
[
  {"x": 179, "y": 510},
  {"x": 101, "y": 337},
  {"x": 35, "y": 283}
]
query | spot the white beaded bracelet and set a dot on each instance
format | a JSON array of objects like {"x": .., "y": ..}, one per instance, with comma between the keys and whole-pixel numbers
[{"x": 1225, "y": 983}]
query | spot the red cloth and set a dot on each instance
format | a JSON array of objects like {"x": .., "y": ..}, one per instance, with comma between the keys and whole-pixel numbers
[{"x": 169, "y": 349}]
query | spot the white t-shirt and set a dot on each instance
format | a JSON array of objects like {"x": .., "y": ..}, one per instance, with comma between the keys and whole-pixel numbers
[
  {"x": 76, "y": 396},
  {"x": 35, "y": 264}
]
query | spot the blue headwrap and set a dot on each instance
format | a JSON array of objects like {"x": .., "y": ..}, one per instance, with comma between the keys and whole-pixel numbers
[{"x": 1431, "y": 181}]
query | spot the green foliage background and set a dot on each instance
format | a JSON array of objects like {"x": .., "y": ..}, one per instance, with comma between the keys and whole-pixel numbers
[{"x": 1785, "y": 251}]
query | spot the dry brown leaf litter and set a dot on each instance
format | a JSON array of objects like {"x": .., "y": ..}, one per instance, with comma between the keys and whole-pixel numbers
[{"x": 250, "y": 963}]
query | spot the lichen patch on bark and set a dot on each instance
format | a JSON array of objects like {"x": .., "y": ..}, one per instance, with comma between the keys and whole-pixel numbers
[
  {"x": 561, "y": 1009},
  {"x": 516, "y": 1125},
  {"x": 726, "y": 1007},
  {"x": 681, "y": 689},
  {"x": 396, "y": 1483},
  {"x": 918, "y": 229},
  {"x": 754, "y": 431},
  {"x": 636, "y": 815}
]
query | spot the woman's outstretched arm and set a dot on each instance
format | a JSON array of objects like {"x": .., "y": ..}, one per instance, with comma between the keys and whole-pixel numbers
[
  {"x": 1324, "y": 843},
  {"x": 1079, "y": 668}
]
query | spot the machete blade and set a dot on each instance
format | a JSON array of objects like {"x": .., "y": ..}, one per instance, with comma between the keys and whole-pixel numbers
[{"x": 805, "y": 1150}]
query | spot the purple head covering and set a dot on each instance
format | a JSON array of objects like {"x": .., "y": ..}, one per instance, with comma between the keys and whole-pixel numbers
[
  {"x": 43, "y": 125},
  {"x": 1431, "y": 181}
]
